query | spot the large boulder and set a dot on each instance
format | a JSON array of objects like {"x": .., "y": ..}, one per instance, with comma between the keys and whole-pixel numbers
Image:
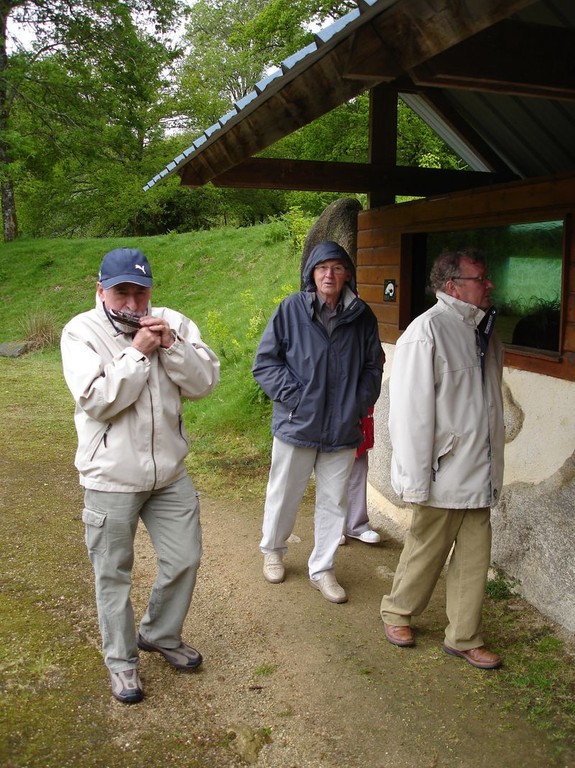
[{"x": 337, "y": 222}]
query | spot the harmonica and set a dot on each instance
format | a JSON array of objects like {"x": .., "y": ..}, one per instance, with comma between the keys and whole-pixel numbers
[{"x": 132, "y": 319}]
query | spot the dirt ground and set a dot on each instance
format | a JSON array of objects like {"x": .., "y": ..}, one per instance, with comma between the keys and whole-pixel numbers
[
  {"x": 318, "y": 681},
  {"x": 288, "y": 681}
]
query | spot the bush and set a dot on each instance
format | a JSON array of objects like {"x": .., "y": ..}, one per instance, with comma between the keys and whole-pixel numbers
[
  {"x": 298, "y": 225},
  {"x": 40, "y": 330}
]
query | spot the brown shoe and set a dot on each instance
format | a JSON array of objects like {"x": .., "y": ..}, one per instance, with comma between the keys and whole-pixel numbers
[
  {"x": 402, "y": 636},
  {"x": 477, "y": 657}
]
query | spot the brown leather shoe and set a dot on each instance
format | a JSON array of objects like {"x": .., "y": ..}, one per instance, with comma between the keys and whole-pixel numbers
[
  {"x": 477, "y": 657},
  {"x": 402, "y": 636}
]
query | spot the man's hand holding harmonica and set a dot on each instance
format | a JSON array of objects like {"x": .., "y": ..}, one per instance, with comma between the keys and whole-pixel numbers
[{"x": 154, "y": 332}]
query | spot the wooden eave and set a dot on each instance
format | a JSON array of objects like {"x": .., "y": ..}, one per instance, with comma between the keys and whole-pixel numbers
[
  {"x": 502, "y": 60},
  {"x": 316, "y": 176},
  {"x": 424, "y": 47}
]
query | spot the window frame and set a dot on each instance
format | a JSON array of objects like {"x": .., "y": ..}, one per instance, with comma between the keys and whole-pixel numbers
[{"x": 389, "y": 249}]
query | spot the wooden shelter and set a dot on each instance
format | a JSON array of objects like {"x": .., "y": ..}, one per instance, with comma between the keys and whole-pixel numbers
[{"x": 494, "y": 78}]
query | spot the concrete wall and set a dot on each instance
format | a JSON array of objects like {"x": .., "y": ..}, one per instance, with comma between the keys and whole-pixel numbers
[{"x": 534, "y": 522}]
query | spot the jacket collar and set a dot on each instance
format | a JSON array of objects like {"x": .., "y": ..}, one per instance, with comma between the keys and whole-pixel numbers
[
  {"x": 469, "y": 313},
  {"x": 347, "y": 298}
]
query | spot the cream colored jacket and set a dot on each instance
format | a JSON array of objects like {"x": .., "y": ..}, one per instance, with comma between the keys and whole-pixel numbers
[
  {"x": 128, "y": 416},
  {"x": 446, "y": 421}
]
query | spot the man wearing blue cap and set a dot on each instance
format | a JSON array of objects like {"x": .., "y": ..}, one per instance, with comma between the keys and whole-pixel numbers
[{"x": 128, "y": 366}]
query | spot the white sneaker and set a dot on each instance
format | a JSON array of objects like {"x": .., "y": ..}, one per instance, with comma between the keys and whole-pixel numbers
[
  {"x": 330, "y": 589},
  {"x": 274, "y": 569},
  {"x": 342, "y": 541},
  {"x": 368, "y": 537}
]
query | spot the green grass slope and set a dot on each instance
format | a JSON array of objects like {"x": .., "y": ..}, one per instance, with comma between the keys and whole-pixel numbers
[{"x": 227, "y": 280}]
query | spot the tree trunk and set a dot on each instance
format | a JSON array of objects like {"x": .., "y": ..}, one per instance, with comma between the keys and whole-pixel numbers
[{"x": 9, "y": 221}]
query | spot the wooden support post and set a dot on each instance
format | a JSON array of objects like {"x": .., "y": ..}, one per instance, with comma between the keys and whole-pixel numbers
[{"x": 382, "y": 140}]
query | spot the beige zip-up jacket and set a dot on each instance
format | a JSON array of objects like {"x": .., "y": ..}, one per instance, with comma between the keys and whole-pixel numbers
[
  {"x": 128, "y": 415},
  {"x": 446, "y": 420}
]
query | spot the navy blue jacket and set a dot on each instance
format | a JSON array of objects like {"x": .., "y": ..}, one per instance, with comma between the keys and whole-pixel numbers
[{"x": 321, "y": 385}]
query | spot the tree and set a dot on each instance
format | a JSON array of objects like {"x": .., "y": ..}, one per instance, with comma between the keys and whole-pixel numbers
[
  {"x": 221, "y": 65},
  {"x": 233, "y": 43},
  {"x": 87, "y": 70}
]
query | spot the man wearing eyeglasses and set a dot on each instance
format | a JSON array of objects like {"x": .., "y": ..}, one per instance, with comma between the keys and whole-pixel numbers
[
  {"x": 447, "y": 436},
  {"x": 320, "y": 361}
]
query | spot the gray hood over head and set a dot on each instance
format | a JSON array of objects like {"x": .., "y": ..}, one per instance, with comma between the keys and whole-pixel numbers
[{"x": 324, "y": 252}]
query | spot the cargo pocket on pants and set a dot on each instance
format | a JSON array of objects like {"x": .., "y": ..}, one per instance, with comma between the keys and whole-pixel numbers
[{"x": 96, "y": 539}]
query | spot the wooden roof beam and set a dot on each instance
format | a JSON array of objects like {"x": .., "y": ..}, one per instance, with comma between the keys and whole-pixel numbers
[
  {"x": 319, "y": 176},
  {"x": 411, "y": 32},
  {"x": 502, "y": 59},
  {"x": 439, "y": 102}
]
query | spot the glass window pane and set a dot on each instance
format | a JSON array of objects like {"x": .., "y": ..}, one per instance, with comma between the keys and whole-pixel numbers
[{"x": 525, "y": 264}]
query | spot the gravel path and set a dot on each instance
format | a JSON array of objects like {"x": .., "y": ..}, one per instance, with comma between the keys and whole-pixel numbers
[{"x": 292, "y": 681}]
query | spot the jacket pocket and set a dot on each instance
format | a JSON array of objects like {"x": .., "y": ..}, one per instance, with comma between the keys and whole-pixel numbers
[
  {"x": 96, "y": 538},
  {"x": 442, "y": 453},
  {"x": 101, "y": 440},
  {"x": 182, "y": 430}
]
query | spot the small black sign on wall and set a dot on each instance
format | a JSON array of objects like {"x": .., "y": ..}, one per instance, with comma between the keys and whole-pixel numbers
[{"x": 389, "y": 290}]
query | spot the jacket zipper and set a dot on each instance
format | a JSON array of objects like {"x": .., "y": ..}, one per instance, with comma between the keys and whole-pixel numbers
[
  {"x": 153, "y": 433},
  {"x": 103, "y": 439}
]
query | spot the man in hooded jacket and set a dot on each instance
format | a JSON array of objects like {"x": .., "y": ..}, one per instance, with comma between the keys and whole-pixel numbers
[{"x": 320, "y": 361}]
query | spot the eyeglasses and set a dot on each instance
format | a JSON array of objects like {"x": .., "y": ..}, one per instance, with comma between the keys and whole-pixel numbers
[
  {"x": 338, "y": 269},
  {"x": 477, "y": 278}
]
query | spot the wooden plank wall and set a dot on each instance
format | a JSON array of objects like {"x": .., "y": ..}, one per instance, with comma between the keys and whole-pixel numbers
[{"x": 384, "y": 251}]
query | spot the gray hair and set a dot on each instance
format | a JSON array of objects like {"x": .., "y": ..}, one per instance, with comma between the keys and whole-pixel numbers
[{"x": 447, "y": 266}]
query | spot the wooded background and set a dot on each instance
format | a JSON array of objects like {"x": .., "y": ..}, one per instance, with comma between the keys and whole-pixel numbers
[{"x": 94, "y": 101}]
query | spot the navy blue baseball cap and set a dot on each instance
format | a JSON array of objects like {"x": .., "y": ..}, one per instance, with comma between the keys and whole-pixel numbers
[{"x": 125, "y": 265}]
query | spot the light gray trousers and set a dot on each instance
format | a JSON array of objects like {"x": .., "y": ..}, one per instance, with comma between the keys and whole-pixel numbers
[
  {"x": 172, "y": 518},
  {"x": 290, "y": 471}
]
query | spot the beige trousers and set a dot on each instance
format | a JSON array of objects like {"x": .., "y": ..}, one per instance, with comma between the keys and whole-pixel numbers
[{"x": 433, "y": 534}]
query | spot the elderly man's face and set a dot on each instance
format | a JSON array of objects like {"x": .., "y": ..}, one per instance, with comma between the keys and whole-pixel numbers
[
  {"x": 126, "y": 297},
  {"x": 329, "y": 277},
  {"x": 473, "y": 285}
]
